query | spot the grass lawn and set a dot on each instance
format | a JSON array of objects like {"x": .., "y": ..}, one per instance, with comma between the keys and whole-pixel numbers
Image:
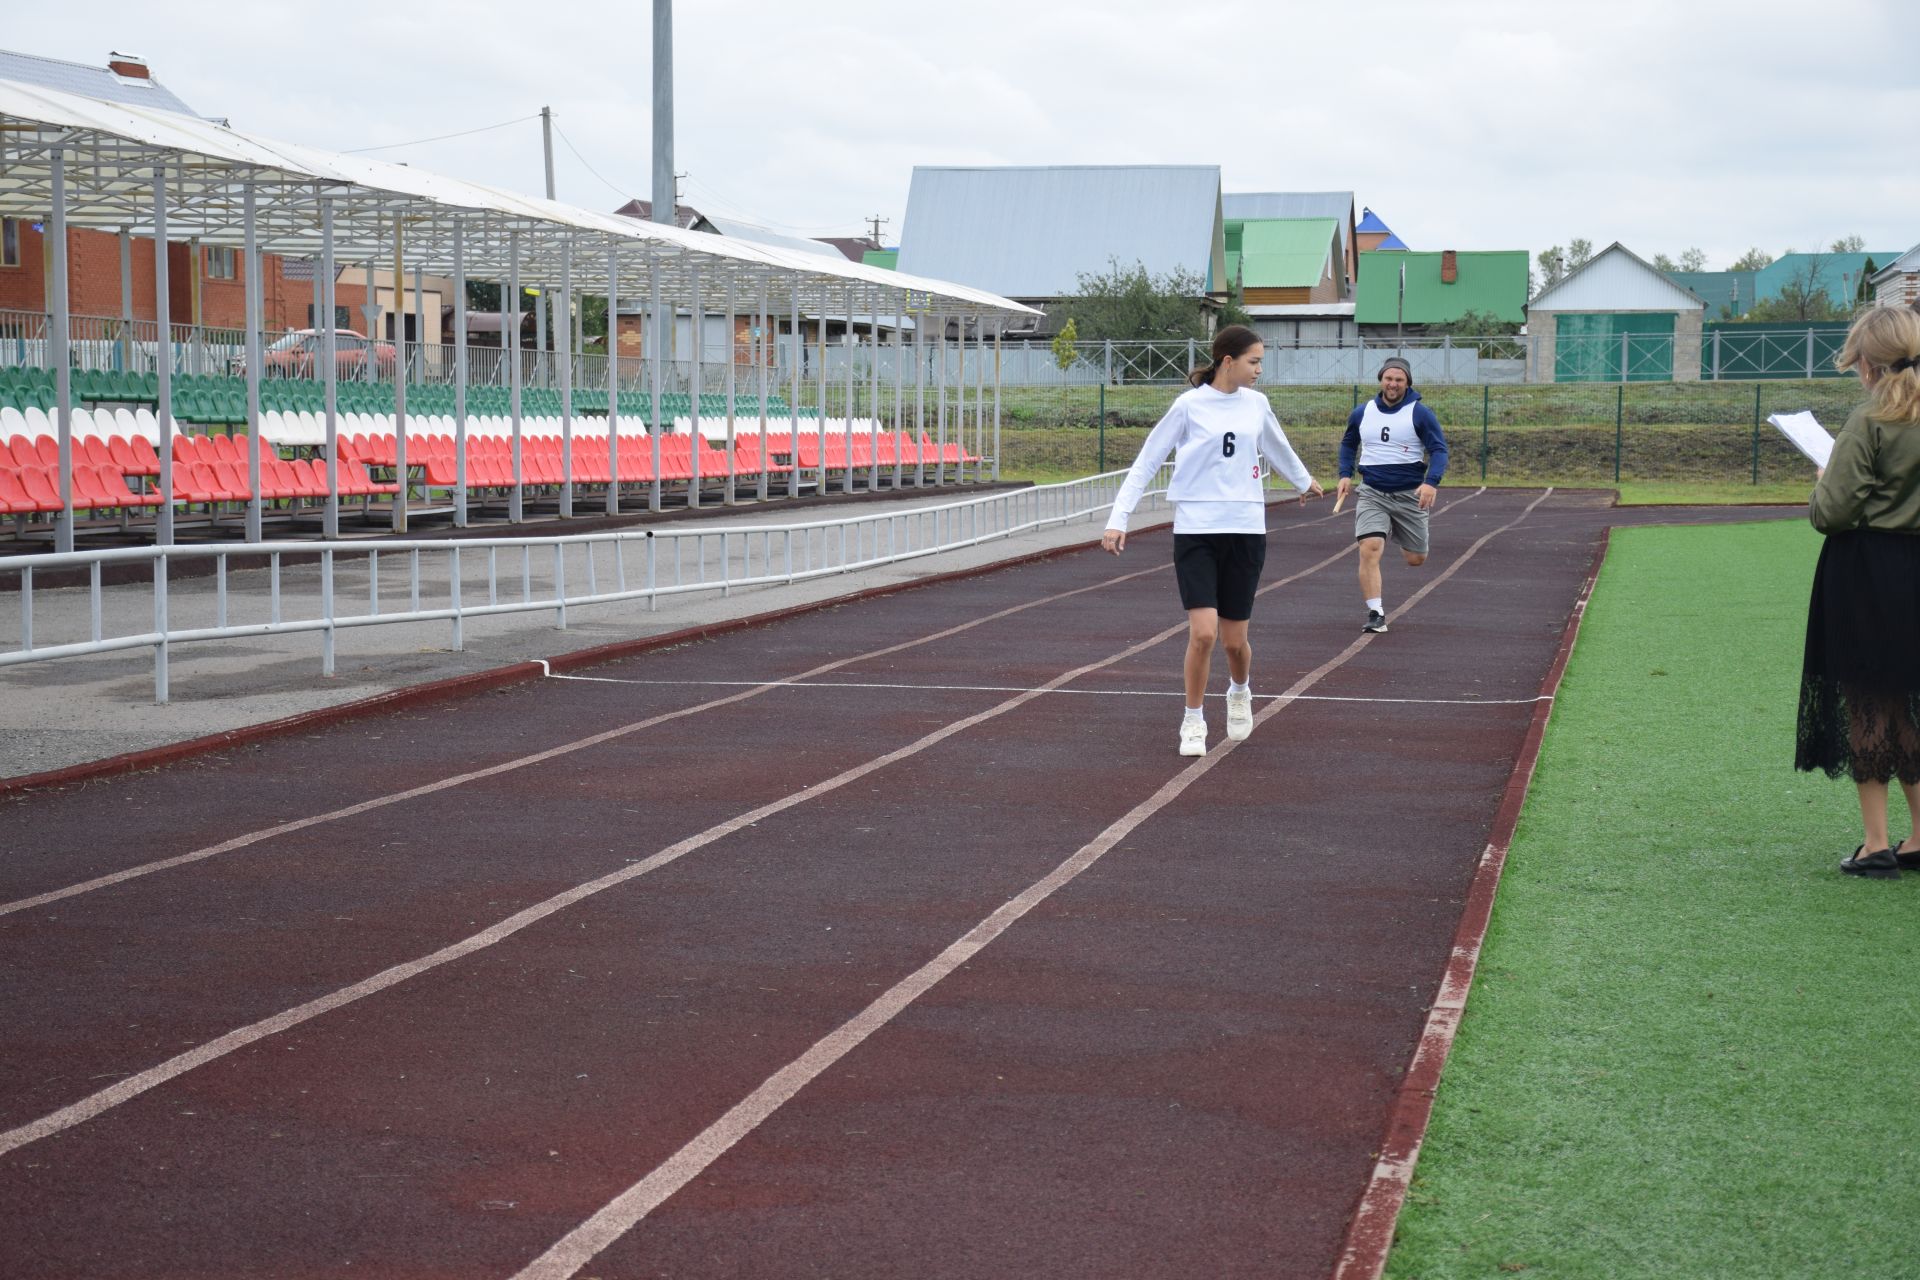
[
  {"x": 1673, "y": 442},
  {"x": 1639, "y": 492},
  {"x": 1688, "y": 1051}
]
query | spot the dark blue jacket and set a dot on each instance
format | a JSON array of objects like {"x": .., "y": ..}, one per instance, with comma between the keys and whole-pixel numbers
[{"x": 1410, "y": 475}]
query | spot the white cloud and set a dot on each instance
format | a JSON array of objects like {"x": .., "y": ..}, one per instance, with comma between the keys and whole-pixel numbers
[{"x": 1475, "y": 124}]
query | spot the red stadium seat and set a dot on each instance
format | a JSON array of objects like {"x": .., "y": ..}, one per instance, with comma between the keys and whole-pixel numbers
[
  {"x": 13, "y": 495},
  {"x": 41, "y": 490}
]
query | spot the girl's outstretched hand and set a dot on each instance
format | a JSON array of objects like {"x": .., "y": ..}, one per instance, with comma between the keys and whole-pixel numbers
[
  {"x": 1313, "y": 490},
  {"x": 1114, "y": 540}
]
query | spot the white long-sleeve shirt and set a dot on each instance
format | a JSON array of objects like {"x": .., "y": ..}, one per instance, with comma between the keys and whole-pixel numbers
[{"x": 1217, "y": 439}]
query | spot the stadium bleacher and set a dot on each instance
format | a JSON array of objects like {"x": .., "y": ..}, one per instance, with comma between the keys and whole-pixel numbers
[{"x": 115, "y": 466}]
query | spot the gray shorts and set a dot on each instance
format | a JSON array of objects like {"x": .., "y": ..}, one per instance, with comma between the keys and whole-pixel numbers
[{"x": 1396, "y": 515}]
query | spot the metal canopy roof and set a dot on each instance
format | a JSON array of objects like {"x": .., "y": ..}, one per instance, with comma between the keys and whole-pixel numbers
[{"x": 113, "y": 153}]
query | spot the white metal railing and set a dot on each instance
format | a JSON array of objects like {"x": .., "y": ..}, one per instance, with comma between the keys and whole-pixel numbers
[{"x": 307, "y": 583}]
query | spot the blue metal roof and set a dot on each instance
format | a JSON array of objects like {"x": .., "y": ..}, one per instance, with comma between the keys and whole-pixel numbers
[
  {"x": 91, "y": 82},
  {"x": 1370, "y": 221},
  {"x": 1031, "y": 232},
  {"x": 1391, "y": 242}
]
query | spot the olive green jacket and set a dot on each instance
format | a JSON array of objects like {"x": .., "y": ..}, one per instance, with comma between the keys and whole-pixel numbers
[{"x": 1872, "y": 481}]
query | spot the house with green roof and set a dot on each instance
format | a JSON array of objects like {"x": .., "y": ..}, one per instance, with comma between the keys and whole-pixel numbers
[
  {"x": 1280, "y": 260},
  {"x": 1292, "y": 277},
  {"x": 1440, "y": 288},
  {"x": 1838, "y": 275},
  {"x": 1727, "y": 294}
]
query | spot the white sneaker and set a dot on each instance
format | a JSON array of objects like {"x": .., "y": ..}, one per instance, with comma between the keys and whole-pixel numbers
[
  {"x": 1193, "y": 737},
  {"x": 1239, "y": 714}
]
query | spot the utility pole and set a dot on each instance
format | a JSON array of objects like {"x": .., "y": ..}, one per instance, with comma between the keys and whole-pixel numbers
[
  {"x": 665, "y": 198},
  {"x": 546, "y": 143},
  {"x": 663, "y": 175},
  {"x": 874, "y": 224},
  {"x": 540, "y": 302}
]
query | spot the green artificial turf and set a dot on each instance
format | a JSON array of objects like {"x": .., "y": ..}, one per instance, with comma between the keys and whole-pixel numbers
[{"x": 1690, "y": 1048}]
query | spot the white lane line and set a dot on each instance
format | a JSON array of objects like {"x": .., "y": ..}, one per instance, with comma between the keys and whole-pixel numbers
[
  {"x": 625, "y": 1211},
  {"x": 538, "y": 757},
  {"x": 1098, "y": 693},
  {"x": 135, "y": 1085}
]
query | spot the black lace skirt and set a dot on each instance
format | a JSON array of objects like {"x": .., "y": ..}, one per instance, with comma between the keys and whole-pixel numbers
[{"x": 1860, "y": 677}]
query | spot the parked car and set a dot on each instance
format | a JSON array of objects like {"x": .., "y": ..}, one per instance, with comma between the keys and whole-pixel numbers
[{"x": 297, "y": 355}]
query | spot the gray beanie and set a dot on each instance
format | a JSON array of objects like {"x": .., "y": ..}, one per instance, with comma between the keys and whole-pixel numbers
[{"x": 1395, "y": 362}]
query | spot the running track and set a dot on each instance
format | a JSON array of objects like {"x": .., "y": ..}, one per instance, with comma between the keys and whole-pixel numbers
[{"x": 891, "y": 939}]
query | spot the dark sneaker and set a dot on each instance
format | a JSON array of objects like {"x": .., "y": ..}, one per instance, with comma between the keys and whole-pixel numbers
[
  {"x": 1376, "y": 621},
  {"x": 1884, "y": 865},
  {"x": 1907, "y": 861}
]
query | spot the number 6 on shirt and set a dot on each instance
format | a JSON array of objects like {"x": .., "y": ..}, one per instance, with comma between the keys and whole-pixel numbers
[{"x": 1226, "y": 445}]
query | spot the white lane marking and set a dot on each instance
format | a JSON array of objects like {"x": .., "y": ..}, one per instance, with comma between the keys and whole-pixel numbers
[
  {"x": 621, "y": 1214},
  {"x": 1099, "y": 693},
  {"x": 379, "y": 802},
  {"x": 539, "y": 757},
  {"x": 135, "y": 1085}
]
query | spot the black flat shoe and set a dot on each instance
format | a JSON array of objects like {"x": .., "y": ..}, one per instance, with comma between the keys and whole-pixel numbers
[
  {"x": 1907, "y": 861},
  {"x": 1883, "y": 865}
]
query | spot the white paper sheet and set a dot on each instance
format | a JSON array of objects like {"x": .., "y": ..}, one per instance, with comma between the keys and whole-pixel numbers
[{"x": 1806, "y": 434}]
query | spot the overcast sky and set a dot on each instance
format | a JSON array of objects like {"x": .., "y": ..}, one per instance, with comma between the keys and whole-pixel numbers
[{"x": 1480, "y": 124}]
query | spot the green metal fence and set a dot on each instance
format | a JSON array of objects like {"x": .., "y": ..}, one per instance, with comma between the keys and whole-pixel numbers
[{"x": 1685, "y": 433}]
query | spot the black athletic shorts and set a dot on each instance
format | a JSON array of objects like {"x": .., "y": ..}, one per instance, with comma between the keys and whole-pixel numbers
[{"x": 1219, "y": 571}]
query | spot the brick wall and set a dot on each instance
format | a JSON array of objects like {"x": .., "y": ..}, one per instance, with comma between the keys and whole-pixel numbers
[{"x": 94, "y": 283}]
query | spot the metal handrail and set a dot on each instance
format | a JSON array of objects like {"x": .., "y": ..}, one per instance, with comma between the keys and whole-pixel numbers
[{"x": 784, "y": 554}]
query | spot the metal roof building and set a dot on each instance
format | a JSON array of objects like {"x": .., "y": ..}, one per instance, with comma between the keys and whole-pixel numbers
[
  {"x": 741, "y": 230},
  {"x": 1838, "y": 275},
  {"x": 1029, "y": 233},
  {"x": 1898, "y": 283},
  {"x": 1727, "y": 294},
  {"x": 1617, "y": 318},
  {"x": 1287, "y": 260},
  {"x": 1338, "y": 205},
  {"x": 126, "y": 80},
  {"x": 1442, "y": 287}
]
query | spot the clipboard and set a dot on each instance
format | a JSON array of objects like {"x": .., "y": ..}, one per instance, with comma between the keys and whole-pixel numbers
[{"x": 1805, "y": 433}]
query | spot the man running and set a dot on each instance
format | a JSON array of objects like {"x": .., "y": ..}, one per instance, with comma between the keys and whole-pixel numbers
[{"x": 1401, "y": 453}]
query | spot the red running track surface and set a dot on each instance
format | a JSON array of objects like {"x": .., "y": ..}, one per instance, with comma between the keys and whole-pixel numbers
[{"x": 831, "y": 977}]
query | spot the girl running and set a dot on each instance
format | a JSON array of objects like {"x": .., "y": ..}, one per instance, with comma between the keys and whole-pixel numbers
[{"x": 1217, "y": 431}]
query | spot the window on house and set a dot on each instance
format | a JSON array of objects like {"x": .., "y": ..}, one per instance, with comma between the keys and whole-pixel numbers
[
  {"x": 9, "y": 242},
  {"x": 220, "y": 263}
]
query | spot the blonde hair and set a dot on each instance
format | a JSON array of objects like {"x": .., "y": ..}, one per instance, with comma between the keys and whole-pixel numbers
[{"x": 1881, "y": 338}]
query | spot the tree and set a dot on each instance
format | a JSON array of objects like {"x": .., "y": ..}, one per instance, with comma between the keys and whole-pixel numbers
[
  {"x": 1131, "y": 304},
  {"x": 1849, "y": 244},
  {"x": 1476, "y": 324},
  {"x": 1752, "y": 260},
  {"x": 593, "y": 319},
  {"x": 1694, "y": 259},
  {"x": 1552, "y": 266},
  {"x": 1579, "y": 253},
  {"x": 1803, "y": 298},
  {"x": 1795, "y": 304},
  {"x": 1065, "y": 353}
]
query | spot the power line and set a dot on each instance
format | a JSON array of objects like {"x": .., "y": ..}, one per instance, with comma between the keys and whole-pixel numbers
[
  {"x": 485, "y": 128},
  {"x": 625, "y": 195}
]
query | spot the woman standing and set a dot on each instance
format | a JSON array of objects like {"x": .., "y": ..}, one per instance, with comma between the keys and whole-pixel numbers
[
  {"x": 1860, "y": 678},
  {"x": 1217, "y": 431}
]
